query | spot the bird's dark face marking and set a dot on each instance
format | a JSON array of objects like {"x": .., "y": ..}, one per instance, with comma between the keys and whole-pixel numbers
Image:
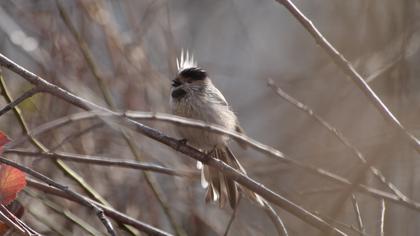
[
  {"x": 178, "y": 93},
  {"x": 188, "y": 81}
]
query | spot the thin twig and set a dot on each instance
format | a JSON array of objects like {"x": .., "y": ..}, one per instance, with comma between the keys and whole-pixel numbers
[
  {"x": 20, "y": 99},
  {"x": 76, "y": 135},
  {"x": 382, "y": 222},
  {"x": 275, "y": 218},
  {"x": 87, "y": 55},
  {"x": 232, "y": 217},
  {"x": 358, "y": 215},
  {"x": 98, "y": 211},
  {"x": 348, "y": 69},
  {"x": 342, "y": 224},
  {"x": 115, "y": 215},
  {"x": 258, "y": 146},
  {"x": 12, "y": 225},
  {"x": 16, "y": 220},
  {"x": 175, "y": 144},
  {"x": 89, "y": 159},
  {"x": 88, "y": 229},
  {"x": 339, "y": 135},
  {"x": 320, "y": 190},
  {"x": 106, "y": 93},
  {"x": 60, "y": 164}
]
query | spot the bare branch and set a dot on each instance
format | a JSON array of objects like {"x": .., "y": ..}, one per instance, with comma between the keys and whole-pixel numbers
[
  {"x": 232, "y": 218},
  {"x": 106, "y": 93},
  {"x": 60, "y": 164},
  {"x": 382, "y": 221},
  {"x": 11, "y": 224},
  {"x": 348, "y": 69},
  {"x": 20, "y": 99},
  {"x": 28, "y": 230},
  {"x": 179, "y": 146},
  {"x": 358, "y": 215},
  {"x": 258, "y": 146},
  {"x": 98, "y": 211},
  {"x": 275, "y": 218},
  {"x": 339, "y": 135},
  {"x": 117, "y": 216},
  {"x": 65, "y": 212},
  {"x": 106, "y": 162},
  {"x": 76, "y": 135}
]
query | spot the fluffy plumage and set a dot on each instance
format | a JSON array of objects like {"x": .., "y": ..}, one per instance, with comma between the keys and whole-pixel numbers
[{"x": 193, "y": 95}]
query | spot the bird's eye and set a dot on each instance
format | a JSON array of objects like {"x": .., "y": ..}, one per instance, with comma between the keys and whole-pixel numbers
[{"x": 175, "y": 83}]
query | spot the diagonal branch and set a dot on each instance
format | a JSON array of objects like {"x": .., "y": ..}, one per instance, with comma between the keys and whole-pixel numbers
[
  {"x": 22, "y": 122},
  {"x": 20, "y": 99},
  {"x": 115, "y": 215},
  {"x": 349, "y": 70},
  {"x": 105, "y": 162},
  {"x": 375, "y": 171},
  {"x": 190, "y": 151},
  {"x": 106, "y": 93},
  {"x": 358, "y": 214},
  {"x": 271, "y": 152},
  {"x": 99, "y": 212},
  {"x": 12, "y": 225}
]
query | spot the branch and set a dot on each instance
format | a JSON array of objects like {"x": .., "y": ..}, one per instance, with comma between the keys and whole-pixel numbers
[
  {"x": 105, "y": 162},
  {"x": 11, "y": 224},
  {"x": 99, "y": 212},
  {"x": 55, "y": 207},
  {"x": 339, "y": 135},
  {"x": 232, "y": 217},
  {"x": 275, "y": 218},
  {"x": 382, "y": 220},
  {"x": 116, "y": 215},
  {"x": 10, "y": 216},
  {"x": 358, "y": 215},
  {"x": 60, "y": 164},
  {"x": 20, "y": 99},
  {"x": 106, "y": 93},
  {"x": 348, "y": 69},
  {"x": 198, "y": 124},
  {"x": 190, "y": 151}
]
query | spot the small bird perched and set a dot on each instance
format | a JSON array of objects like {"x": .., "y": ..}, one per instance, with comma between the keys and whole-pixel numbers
[{"x": 194, "y": 96}]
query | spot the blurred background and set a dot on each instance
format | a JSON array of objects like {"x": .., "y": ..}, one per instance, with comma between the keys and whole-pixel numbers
[{"x": 121, "y": 54}]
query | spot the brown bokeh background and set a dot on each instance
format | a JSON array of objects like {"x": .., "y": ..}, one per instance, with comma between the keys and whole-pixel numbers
[{"x": 133, "y": 45}]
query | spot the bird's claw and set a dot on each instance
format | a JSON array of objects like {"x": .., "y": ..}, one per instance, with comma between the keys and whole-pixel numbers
[
  {"x": 180, "y": 143},
  {"x": 208, "y": 155}
]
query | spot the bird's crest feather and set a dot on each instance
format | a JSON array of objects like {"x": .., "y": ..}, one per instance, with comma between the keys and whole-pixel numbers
[{"x": 185, "y": 61}]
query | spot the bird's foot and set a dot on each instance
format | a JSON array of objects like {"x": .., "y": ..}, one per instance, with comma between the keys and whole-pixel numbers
[
  {"x": 209, "y": 155},
  {"x": 180, "y": 143}
]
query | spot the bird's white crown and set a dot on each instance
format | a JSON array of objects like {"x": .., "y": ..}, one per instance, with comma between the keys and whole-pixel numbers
[{"x": 185, "y": 61}]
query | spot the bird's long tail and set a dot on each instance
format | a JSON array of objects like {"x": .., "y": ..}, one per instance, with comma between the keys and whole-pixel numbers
[{"x": 220, "y": 188}]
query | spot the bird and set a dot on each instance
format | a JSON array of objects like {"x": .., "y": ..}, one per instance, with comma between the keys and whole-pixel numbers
[{"x": 193, "y": 95}]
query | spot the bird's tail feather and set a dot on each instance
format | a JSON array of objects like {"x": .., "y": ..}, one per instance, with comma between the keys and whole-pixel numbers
[{"x": 220, "y": 188}]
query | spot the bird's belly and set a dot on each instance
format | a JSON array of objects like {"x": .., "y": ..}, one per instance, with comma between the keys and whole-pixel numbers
[{"x": 202, "y": 138}]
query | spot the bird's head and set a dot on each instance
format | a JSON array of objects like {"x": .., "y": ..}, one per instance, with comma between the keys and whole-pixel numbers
[{"x": 190, "y": 78}]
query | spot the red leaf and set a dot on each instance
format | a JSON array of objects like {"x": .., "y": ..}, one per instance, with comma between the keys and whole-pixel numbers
[
  {"x": 12, "y": 181},
  {"x": 3, "y": 140},
  {"x": 3, "y": 228}
]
